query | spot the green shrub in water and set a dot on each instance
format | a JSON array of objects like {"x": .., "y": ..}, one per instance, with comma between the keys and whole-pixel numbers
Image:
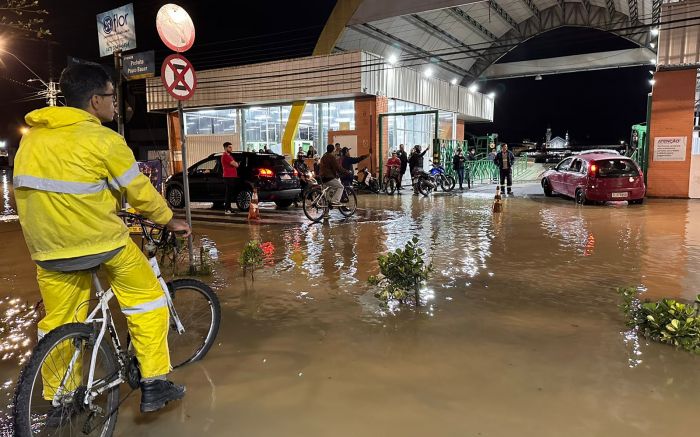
[
  {"x": 666, "y": 321},
  {"x": 251, "y": 257},
  {"x": 401, "y": 271}
]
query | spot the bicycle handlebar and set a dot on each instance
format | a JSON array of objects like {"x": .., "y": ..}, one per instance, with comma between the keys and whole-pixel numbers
[{"x": 148, "y": 227}]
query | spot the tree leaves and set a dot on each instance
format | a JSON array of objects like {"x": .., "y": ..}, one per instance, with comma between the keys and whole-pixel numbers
[
  {"x": 667, "y": 320},
  {"x": 23, "y": 17},
  {"x": 401, "y": 271}
]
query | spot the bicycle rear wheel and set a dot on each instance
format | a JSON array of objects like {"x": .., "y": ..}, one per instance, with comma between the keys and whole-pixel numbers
[
  {"x": 199, "y": 311},
  {"x": 315, "y": 204},
  {"x": 50, "y": 394},
  {"x": 349, "y": 201}
]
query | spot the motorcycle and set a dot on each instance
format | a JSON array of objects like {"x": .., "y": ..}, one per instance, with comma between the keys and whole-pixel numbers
[
  {"x": 424, "y": 182},
  {"x": 365, "y": 180},
  {"x": 446, "y": 182}
]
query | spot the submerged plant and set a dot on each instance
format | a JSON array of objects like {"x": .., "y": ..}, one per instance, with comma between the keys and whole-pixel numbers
[
  {"x": 666, "y": 320},
  {"x": 251, "y": 257},
  {"x": 401, "y": 272}
]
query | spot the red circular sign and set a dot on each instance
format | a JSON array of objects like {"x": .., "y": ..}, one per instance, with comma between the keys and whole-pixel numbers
[{"x": 178, "y": 77}]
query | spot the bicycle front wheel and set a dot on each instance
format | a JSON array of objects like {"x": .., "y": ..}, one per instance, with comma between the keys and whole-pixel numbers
[
  {"x": 199, "y": 311},
  {"x": 315, "y": 204},
  {"x": 349, "y": 202},
  {"x": 52, "y": 389}
]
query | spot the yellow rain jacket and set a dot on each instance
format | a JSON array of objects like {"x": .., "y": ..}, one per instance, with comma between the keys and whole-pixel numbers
[
  {"x": 69, "y": 171},
  {"x": 66, "y": 170}
]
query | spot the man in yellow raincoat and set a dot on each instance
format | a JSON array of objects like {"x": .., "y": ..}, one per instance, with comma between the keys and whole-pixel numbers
[{"x": 70, "y": 172}]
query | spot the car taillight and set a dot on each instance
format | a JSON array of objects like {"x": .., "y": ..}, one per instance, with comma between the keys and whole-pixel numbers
[
  {"x": 592, "y": 170},
  {"x": 296, "y": 173},
  {"x": 265, "y": 173}
]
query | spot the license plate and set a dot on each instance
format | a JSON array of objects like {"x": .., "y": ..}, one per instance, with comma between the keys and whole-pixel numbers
[
  {"x": 618, "y": 195},
  {"x": 285, "y": 177}
]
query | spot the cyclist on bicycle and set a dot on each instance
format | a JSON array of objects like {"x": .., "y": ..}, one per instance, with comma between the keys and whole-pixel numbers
[
  {"x": 70, "y": 173},
  {"x": 330, "y": 173},
  {"x": 393, "y": 168}
]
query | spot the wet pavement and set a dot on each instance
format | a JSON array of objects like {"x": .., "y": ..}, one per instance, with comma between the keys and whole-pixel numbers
[{"x": 520, "y": 334}]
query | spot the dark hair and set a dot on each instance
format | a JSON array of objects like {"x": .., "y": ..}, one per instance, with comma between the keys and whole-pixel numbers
[
  {"x": 82, "y": 81},
  {"x": 330, "y": 148},
  {"x": 337, "y": 144},
  {"x": 226, "y": 144}
]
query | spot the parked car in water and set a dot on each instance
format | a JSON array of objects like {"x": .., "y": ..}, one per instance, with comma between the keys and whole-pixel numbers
[
  {"x": 274, "y": 178},
  {"x": 596, "y": 177}
]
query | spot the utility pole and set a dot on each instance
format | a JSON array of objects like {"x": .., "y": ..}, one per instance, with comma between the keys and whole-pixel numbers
[{"x": 118, "y": 90}]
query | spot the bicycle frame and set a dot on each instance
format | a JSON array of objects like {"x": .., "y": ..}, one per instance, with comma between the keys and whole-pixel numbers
[{"x": 101, "y": 314}]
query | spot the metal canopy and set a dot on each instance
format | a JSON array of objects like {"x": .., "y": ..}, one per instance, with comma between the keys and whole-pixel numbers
[{"x": 461, "y": 39}]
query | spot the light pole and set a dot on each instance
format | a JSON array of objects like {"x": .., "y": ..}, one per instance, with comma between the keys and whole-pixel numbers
[{"x": 51, "y": 91}]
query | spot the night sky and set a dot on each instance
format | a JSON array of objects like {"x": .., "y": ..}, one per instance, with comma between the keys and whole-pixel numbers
[{"x": 595, "y": 107}]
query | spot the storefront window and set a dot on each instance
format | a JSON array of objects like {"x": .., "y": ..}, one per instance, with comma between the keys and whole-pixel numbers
[{"x": 210, "y": 122}]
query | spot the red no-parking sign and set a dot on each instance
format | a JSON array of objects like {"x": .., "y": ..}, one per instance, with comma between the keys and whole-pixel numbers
[{"x": 178, "y": 77}]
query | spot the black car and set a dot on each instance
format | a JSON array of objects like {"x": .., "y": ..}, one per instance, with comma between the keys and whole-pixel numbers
[{"x": 274, "y": 178}]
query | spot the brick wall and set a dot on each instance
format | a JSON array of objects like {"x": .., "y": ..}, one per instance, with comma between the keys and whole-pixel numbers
[{"x": 672, "y": 107}]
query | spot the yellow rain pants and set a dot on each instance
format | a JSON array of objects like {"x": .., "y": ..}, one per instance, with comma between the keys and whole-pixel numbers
[{"x": 140, "y": 297}]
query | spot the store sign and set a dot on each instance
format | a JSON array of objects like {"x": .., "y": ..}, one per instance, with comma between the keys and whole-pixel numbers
[
  {"x": 116, "y": 30},
  {"x": 139, "y": 65},
  {"x": 669, "y": 148}
]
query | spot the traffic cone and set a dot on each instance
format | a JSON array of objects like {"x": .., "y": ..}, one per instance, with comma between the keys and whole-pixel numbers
[
  {"x": 254, "y": 209},
  {"x": 497, "y": 205}
]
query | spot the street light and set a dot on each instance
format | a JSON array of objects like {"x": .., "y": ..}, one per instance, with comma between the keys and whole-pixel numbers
[
  {"x": 51, "y": 89},
  {"x": 23, "y": 130}
]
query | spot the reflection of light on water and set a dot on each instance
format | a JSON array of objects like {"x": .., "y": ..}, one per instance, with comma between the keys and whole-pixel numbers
[
  {"x": 16, "y": 320},
  {"x": 17, "y": 332},
  {"x": 209, "y": 245},
  {"x": 631, "y": 340},
  {"x": 571, "y": 229},
  {"x": 8, "y": 213}
]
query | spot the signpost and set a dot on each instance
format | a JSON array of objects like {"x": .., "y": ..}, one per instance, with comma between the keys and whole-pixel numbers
[
  {"x": 139, "y": 65},
  {"x": 116, "y": 32},
  {"x": 176, "y": 30}
]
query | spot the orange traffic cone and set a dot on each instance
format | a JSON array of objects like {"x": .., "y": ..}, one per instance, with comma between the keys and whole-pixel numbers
[
  {"x": 254, "y": 209},
  {"x": 497, "y": 205}
]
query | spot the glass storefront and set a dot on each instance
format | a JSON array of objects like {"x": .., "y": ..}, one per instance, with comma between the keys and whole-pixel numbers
[
  {"x": 416, "y": 129},
  {"x": 264, "y": 126},
  {"x": 211, "y": 122}
]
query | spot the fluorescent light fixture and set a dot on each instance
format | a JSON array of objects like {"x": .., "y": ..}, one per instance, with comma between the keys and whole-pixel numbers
[
  {"x": 392, "y": 59},
  {"x": 652, "y": 81},
  {"x": 473, "y": 88},
  {"x": 428, "y": 72},
  {"x": 454, "y": 81},
  {"x": 654, "y": 31},
  {"x": 652, "y": 45},
  {"x": 3, "y": 144},
  {"x": 346, "y": 111},
  {"x": 492, "y": 95},
  {"x": 653, "y": 61}
]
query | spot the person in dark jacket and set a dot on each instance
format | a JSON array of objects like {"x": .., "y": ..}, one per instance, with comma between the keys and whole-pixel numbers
[
  {"x": 458, "y": 163},
  {"x": 415, "y": 163},
  {"x": 404, "y": 162},
  {"x": 504, "y": 160},
  {"x": 471, "y": 156},
  {"x": 348, "y": 162}
]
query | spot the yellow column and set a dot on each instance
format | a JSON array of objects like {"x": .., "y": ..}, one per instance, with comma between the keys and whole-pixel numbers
[{"x": 342, "y": 13}]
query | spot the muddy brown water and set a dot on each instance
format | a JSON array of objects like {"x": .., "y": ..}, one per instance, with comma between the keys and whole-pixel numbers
[{"x": 520, "y": 334}]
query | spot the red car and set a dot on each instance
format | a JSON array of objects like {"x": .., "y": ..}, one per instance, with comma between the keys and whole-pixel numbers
[{"x": 596, "y": 177}]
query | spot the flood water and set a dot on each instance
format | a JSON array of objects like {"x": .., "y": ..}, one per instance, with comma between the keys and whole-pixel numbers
[{"x": 520, "y": 334}]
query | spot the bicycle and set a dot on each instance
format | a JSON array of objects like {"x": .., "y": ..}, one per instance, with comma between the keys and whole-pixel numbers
[
  {"x": 91, "y": 369},
  {"x": 391, "y": 180},
  {"x": 317, "y": 202}
]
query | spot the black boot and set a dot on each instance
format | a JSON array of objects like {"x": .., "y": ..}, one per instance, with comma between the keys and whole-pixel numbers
[{"x": 155, "y": 394}]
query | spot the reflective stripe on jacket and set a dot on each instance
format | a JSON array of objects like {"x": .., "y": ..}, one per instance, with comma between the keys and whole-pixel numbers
[{"x": 68, "y": 172}]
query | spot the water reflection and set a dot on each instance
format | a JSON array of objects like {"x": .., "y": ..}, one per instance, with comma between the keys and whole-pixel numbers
[
  {"x": 8, "y": 212},
  {"x": 521, "y": 309}
]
